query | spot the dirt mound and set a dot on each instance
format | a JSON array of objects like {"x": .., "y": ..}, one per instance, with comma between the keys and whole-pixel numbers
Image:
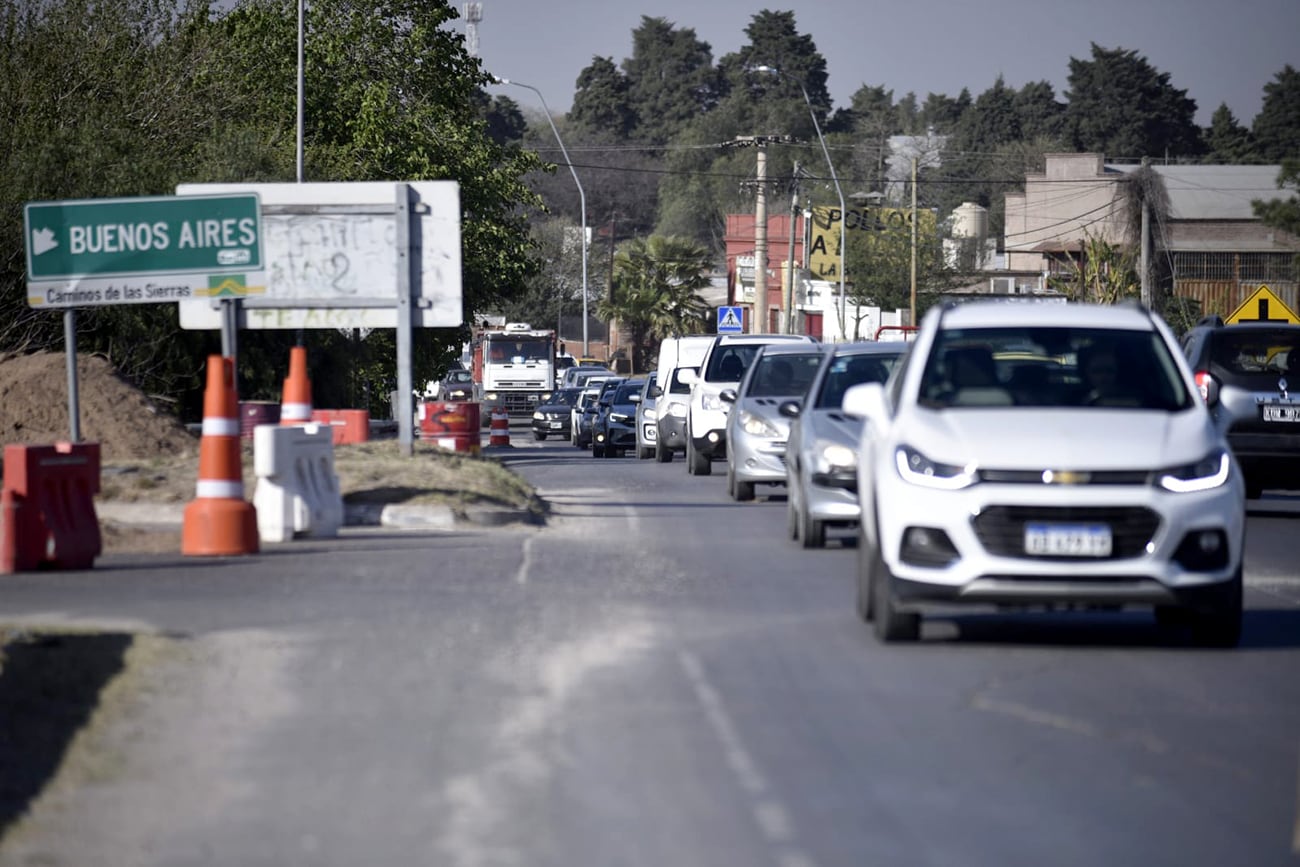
[{"x": 114, "y": 413}]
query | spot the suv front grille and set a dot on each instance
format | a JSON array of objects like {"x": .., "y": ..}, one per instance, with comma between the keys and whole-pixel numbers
[{"x": 1001, "y": 529}]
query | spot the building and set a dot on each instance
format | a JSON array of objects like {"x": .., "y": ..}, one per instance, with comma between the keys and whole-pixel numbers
[{"x": 1211, "y": 249}]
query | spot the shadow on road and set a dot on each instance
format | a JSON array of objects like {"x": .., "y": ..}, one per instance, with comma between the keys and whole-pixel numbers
[
  {"x": 50, "y": 684},
  {"x": 1262, "y": 629}
]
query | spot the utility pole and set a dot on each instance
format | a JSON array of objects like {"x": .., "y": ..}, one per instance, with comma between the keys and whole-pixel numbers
[
  {"x": 759, "y": 325},
  {"x": 788, "y": 302},
  {"x": 1145, "y": 258},
  {"x": 914, "y": 223}
]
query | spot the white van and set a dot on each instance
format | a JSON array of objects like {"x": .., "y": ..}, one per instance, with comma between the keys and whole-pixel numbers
[
  {"x": 676, "y": 354},
  {"x": 723, "y": 366}
]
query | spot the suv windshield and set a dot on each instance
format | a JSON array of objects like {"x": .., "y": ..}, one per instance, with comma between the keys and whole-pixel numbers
[{"x": 1052, "y": 367}]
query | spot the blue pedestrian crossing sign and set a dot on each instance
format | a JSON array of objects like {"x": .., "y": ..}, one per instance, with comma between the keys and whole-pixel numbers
[{"x": 731, "y": 320}]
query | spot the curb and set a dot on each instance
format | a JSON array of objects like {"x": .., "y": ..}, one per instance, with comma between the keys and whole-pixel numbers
[{"x": 166, "y": 516}]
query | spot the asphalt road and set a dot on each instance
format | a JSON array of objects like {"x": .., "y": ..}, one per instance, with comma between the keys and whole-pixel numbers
[{"x": 656, "y": 677}]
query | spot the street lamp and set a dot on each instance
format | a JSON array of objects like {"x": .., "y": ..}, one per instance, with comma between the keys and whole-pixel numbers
[
  {"x": 772, "y": 70},
  {"x": 582, "y": 198}
]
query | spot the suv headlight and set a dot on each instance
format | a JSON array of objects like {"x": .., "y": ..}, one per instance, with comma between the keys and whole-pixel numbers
[
  {"x": 916, "y": 468},
  {"x": 540, "y": 416},
  {"x": 1207, "y": 473},
  {"x": 756, "y": 425},
  {"x": 677, "y": 410},
  {"x": 711, "y": 402},
  {"x": 650, "y": 415}
]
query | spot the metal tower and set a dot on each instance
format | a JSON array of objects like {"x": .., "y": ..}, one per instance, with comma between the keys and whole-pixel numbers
[{"x": 473, "y": 15}]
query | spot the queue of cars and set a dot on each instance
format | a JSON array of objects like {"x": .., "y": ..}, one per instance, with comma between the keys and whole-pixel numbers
[{"x": 1034, "y": 456}]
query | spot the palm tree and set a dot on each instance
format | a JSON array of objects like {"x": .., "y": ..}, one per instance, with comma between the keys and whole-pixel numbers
[{"x": 653, "y": 290}]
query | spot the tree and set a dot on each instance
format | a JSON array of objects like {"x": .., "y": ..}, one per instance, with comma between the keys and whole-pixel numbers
[
  {"x": 942, "y": 113},
  {"x": 1277, "y": 126},
  {"x": 1039, "y": 114},
  {"x": 1121, "y": 106},
  {"x": 703, "y": 185},
  {"x": 164, "y": 94},
  {"x": 1227, "y": 141},
  {"x": 1104, "y": 274},
  {"x": 655, "y": 291},
  {"x": 671, "y": 79},
  {"x": 775, "y": 42},
  {"x": 602, "y": 107},
  {"x": 1283, "y": 214},
  {"x": 993, "y": 120},
  {"x": 505, "y": 122}
]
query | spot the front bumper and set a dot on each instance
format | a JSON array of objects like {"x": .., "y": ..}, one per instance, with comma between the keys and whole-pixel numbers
[
  {"x": 1151, "y": 562},
  {"x": 620, "y": 436},
  {"x": 833, "y": 497},
  {"x": 756, "y": 459},
  {"x": 672, "y": 432},
  {"x": 558, "y": 426}
]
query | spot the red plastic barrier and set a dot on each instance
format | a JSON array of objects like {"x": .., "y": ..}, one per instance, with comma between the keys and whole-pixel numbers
[
  {"x": 348, "y": 425},
  {"x": 49, "y": 516}
]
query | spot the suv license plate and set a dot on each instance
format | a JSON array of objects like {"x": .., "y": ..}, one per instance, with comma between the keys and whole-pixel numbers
[
  {"x": 1281, "y": 412},
  {"x": 1067, "y": 540}
]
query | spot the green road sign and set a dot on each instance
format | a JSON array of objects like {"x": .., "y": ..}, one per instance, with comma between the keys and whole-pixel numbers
[{"x": 158, "y": 248}]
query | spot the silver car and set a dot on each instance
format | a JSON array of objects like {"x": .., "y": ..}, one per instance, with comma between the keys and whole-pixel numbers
[
  {"x": 756, "y": 430},
  {"x": 821, "y": 476}
]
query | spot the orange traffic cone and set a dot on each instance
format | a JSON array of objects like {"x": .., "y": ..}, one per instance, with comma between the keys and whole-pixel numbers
[
  {"x": 295, "y": 404},
  {"x": 219, "y": 521}
]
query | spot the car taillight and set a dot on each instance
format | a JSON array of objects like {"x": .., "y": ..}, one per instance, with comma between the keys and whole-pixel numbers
[{"x": 1204, "y": 382}]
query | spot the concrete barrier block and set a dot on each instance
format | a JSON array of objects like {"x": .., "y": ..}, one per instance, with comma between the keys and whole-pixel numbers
[{"x": 297, "y": 491}]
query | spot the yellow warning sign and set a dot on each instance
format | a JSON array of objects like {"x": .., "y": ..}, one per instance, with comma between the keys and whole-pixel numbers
[{"x": 1263, "y": 306}]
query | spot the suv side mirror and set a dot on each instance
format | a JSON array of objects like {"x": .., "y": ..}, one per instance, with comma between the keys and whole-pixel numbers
[
  {"x": 790, "y": 409},
  {"x": 688, "y": 376},
  {"x": 656, "y": 392},
  {"x": 727, "y": 395}
]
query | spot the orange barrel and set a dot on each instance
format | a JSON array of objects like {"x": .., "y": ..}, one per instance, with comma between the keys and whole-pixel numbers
[
  {"x": 500, "y": 429},
  {"x": 255, "y": 412},
  {"x": 438, "y": 418}
]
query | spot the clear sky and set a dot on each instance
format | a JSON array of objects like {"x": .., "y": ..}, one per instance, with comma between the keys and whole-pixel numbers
[{"x": 1219, "y": 51}]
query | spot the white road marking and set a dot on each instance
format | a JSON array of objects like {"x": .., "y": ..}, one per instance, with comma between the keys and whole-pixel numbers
[{"x": 771, "y": 817}]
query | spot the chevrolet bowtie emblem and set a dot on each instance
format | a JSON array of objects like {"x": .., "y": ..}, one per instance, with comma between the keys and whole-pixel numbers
[{"x": 1065, "y": 477}]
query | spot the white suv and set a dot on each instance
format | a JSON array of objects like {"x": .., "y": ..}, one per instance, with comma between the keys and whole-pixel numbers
[
  {"x": 1046, "y": 455},
  {"x": 724, "y": 364}
]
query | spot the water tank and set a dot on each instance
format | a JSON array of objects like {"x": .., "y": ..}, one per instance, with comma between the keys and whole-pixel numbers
[{"x": 970, "y": 220}]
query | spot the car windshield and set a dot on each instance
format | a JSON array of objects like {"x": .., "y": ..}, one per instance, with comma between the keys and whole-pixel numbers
[
  {"x": 783, "y": 375},
  {"x": 457, "y": 377},
  {"x": 847, "y": 371},
  {"x": 564, "y": 397},
  {"x": 1052, "y": 367},
  {"x": 1272, "y": 351},
  {"x": 729, "y": 361}
]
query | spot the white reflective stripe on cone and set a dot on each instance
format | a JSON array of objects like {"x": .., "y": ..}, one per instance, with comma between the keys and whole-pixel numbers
[
  {"x": 295, "y": 412},
  {"x": 212, "y": 489},
  {"x": 220, "y": 427}
]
